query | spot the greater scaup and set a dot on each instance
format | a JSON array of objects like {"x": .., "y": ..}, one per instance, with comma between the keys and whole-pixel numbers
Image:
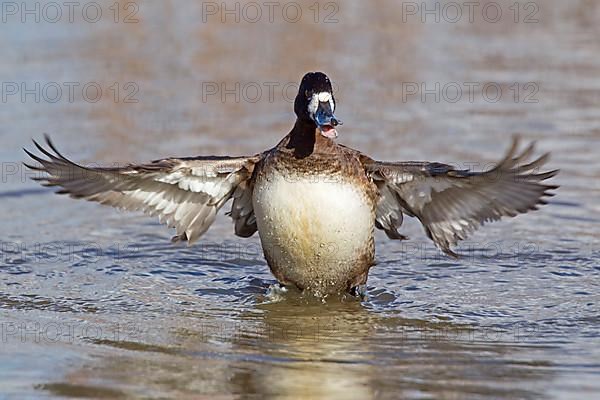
[{"x": 314, "y": 203}]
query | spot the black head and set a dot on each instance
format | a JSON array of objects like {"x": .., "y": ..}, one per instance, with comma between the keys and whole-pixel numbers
[{"x": 315, "y": 103}]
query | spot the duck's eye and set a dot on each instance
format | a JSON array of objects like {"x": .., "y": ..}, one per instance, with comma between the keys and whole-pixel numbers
[{"x": 306, "y": 94}]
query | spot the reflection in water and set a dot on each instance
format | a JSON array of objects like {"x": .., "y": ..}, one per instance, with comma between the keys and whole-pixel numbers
[
  {"x": 301, "y": 348},
  {"x": 317, "y": 351},
  {"x": 99, "y": 304}
]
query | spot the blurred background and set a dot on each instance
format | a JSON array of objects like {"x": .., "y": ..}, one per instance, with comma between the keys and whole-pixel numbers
[{"x": 97, "y": 303}]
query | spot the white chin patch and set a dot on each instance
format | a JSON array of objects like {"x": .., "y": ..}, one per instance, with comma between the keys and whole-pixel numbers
[
  {"x": 324, "y": 96},
  {"x": 320, "y": 97}
]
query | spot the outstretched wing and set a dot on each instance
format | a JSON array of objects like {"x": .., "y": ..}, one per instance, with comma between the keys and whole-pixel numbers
[
  {"x": 185, "y": 193},
  {"x": 452, "y": 203}
]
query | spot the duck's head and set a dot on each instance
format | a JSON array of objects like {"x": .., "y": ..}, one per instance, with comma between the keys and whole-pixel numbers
[{"x": 315, "y": 103}]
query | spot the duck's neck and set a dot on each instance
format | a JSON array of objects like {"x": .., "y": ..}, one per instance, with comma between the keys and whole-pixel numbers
[{"x": 305, "y": 139}]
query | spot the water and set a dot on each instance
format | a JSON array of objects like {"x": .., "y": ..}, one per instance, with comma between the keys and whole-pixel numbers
[{"x": 95, "y": 303}]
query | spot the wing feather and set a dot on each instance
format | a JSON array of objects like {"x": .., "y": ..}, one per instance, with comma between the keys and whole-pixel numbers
[
  {"x": 185, "y": 193},
  {"x": 452, "y": 203}
]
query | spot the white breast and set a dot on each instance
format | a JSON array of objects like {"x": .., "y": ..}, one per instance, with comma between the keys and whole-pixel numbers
[{"x": 314, "y": 229}]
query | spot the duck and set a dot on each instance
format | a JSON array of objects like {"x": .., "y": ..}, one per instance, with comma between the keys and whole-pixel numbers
[{"x": 314, "y": 203}]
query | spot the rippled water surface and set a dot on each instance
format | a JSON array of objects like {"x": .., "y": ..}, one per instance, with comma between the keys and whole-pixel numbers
[{"x": 96, "y": 303}]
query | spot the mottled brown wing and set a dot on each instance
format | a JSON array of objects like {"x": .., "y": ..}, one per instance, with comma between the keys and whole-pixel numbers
[
  {"x": 452, "y": 203},
  {"x": 185, "y": 193}
]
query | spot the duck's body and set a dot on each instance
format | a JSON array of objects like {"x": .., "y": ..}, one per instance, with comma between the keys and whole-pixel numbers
[
  {"x": 314, "y": 203},
  {"x": 315, "y": 212}
]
